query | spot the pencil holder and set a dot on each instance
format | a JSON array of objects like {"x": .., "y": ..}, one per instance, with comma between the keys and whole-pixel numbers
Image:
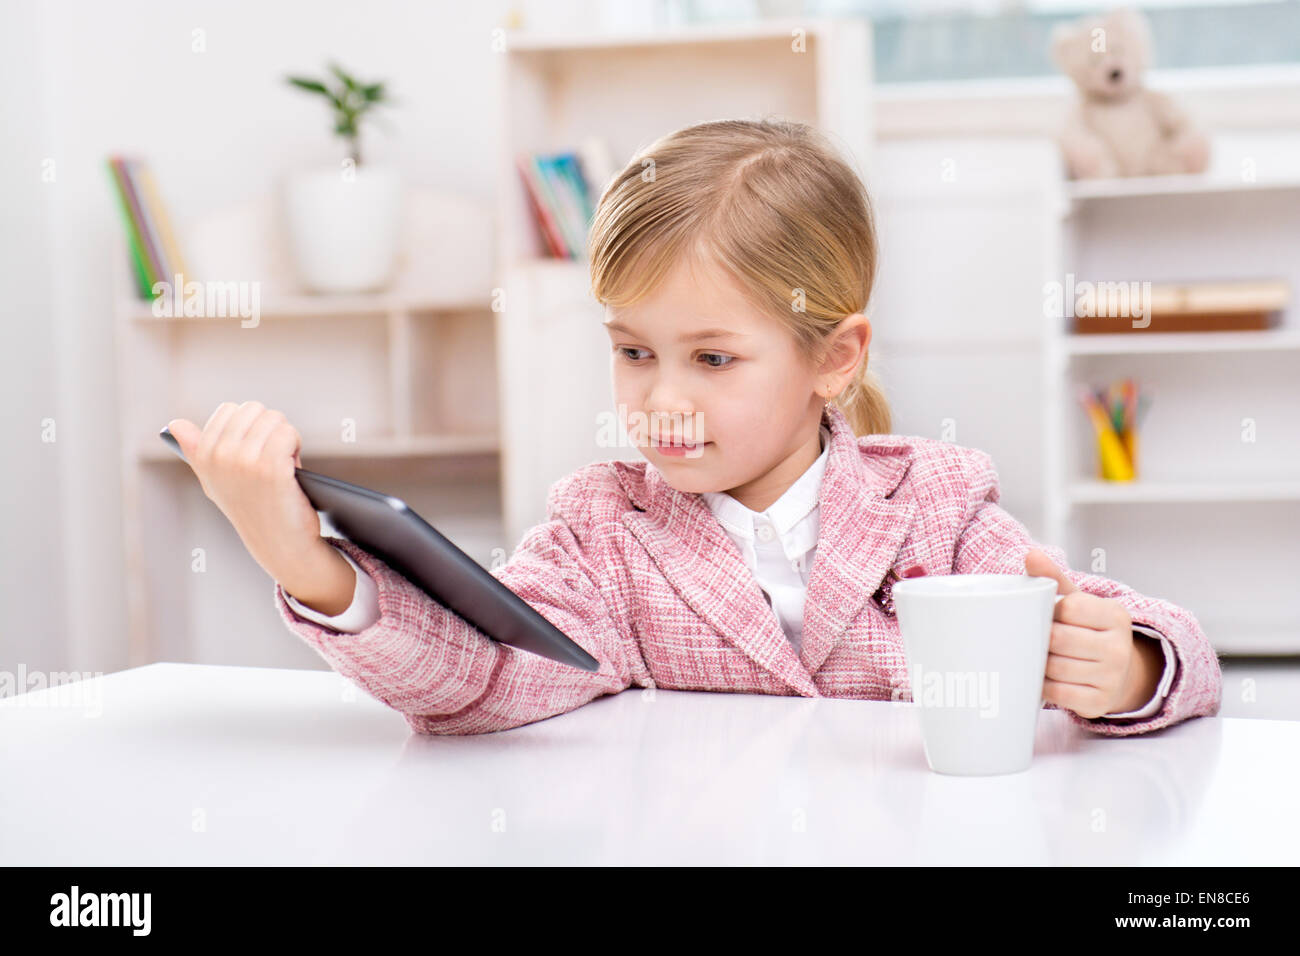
[
  {"x": 1115, "y": 416},
  {"x": 1117, "y": 455},
  {"x": 1129, "y": 438}
]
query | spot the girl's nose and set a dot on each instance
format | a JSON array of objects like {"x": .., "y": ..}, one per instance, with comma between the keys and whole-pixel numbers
[{"x": 666, "y": 402}]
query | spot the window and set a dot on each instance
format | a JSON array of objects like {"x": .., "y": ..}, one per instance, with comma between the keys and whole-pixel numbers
[{"x": 925, "y": 40}]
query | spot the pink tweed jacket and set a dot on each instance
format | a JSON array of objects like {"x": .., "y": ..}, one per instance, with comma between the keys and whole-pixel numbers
[{"x": 648, "y": 582}]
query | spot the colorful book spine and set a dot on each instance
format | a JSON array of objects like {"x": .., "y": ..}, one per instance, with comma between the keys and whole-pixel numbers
[
  {"x": 572, "y": 167},
  {"x": 149, "y": 218},
  {"x": 570, "y": 201},
  {"x": 553, "y": 188},
  {"x": 561, "y": 201},
  {"x": 135, "y": 243},
  {"x": 545, "y": 221},
  {"x": 155, "y": 255},
  {"x": 153, "y": 199},
  {"x": 147, "y": 246}
]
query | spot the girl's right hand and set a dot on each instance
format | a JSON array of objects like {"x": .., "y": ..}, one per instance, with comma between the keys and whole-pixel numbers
[{"x": 244, "y": 458}]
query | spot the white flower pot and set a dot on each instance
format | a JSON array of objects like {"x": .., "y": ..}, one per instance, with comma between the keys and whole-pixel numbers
[{"x": 343, "y": 226}]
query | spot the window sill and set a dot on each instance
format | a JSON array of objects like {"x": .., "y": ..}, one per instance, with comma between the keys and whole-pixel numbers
[{"x": 1247, "y": 97}]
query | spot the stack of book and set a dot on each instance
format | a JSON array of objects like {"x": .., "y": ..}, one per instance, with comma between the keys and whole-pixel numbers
[
  {"x": 561, "y": 199},
  {"x": 1200, "y": 306},
  {"x": 155, "y": 256}
]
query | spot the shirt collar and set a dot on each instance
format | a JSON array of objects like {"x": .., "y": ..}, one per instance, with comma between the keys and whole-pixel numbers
[{"x": 793, "y": 506}]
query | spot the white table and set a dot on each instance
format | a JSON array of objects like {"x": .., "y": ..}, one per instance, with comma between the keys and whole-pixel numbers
[{"x": 185, "y": 764}]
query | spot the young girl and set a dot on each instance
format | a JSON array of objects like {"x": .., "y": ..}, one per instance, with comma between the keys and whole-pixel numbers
[{"x": 755, "y": 549}]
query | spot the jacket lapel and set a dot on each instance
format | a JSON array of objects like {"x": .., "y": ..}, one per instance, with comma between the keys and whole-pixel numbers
[
  {"x": 861, "y": 531},
  {"x": 703, "y": 565}
]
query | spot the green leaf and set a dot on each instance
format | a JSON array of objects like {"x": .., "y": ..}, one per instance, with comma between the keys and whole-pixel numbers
[
  {"x": 350, "y": 99},
  {"x": 350, "y": 83},
  {"x": 314, "y": 86}
]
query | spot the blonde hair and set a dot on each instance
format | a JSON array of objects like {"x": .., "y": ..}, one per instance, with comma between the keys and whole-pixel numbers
[{"x": 771, "y": 202}]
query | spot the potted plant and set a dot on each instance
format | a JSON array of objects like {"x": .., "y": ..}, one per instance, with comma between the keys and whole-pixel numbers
[{"x": 343, "y": 221}]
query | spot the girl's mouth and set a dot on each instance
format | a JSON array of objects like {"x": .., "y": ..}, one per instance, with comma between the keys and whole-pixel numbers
[{"x": 678, "y": 448}]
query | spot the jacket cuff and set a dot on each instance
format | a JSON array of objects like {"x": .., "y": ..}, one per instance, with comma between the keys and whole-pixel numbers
[
  {"x": 1152, "y": 707},
  {"x": 360, "y": 614},
  {"x": 1117, "y": 725}
]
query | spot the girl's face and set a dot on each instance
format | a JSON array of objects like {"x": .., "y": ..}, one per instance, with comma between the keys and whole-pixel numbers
[{"x": 696, "y": 362}]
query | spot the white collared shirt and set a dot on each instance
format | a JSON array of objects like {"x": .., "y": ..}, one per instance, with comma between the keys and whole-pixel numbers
[{"x": 778, "y": 545}]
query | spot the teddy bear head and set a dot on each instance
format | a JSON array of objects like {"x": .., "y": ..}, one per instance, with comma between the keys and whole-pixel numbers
[{"x": 1106, "y": 55}]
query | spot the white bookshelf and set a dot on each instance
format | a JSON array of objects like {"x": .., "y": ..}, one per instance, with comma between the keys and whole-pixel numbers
[
  {"x": 412, "y": 370},
  {"x": 1213, "y": 520},
  {"x": 627, "y": 91}
]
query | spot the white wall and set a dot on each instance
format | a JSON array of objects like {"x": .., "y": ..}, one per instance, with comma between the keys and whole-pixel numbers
[
  {"x": 956, "y": 313},
  {"x": 31, "y": 522}
]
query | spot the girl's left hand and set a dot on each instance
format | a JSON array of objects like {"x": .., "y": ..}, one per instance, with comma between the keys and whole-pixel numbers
[{"x": 1090, "y": 659}]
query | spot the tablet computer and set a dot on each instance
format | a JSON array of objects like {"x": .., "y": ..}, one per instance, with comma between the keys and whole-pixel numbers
[{"x": 387, "y": 528}]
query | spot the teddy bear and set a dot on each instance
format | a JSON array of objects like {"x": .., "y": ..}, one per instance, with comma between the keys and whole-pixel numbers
[{"x": 1118, "y": 127}]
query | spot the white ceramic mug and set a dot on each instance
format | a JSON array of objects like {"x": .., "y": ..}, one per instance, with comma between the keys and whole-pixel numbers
[{"x": 976, "y": 647}]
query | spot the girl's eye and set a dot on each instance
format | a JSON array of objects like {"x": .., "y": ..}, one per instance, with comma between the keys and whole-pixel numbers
[{"x": 724, "y": 360}]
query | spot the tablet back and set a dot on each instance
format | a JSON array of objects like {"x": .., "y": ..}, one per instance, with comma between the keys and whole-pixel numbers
[{"x": 388, "y": 528}]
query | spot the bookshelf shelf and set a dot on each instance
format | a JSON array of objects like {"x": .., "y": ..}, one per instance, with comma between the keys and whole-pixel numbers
[
  {"x": 1138, "y": 343},
  {"x": 1155, "y": 492},
  {"x": 1182, "y": 185},
  {"x": 311, "y": 306},
  {"x": 681, "y": 37},
  {"x": 307, "y": 308},
  {"x": 413, "y": 446}
]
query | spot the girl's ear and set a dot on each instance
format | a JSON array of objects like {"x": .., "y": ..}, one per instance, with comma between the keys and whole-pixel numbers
[{"x": 847, "y": 346}]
